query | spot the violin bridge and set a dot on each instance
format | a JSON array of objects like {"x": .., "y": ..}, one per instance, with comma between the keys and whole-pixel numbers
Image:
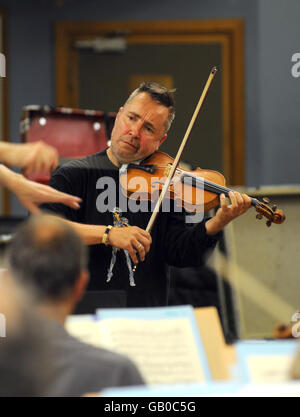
[{"x": 167, "y": 170}]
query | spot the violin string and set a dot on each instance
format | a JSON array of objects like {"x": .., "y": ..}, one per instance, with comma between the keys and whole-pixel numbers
[
  {"x": 219, "y": 189},
  {"x": 207, "y": 185},
  {"x": 215, "y": 188}
]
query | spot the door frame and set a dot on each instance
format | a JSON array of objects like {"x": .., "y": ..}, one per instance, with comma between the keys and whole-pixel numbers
[{"x": 228, "y": 32}]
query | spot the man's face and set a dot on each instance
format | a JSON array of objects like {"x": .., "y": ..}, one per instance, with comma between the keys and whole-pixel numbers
[{"x": 139, "y": 129}]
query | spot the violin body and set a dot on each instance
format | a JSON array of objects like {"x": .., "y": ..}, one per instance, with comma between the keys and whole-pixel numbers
[{"x": 137, "y": 183}]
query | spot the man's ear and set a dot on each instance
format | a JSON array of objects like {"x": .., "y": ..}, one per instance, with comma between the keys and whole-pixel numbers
[
  {"x": 120, "y": 111},
  {"x": 163, "y": 139},
  {"x": 80, "y": 285}
]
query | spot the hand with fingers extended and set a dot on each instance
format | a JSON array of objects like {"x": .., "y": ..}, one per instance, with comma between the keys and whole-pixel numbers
[
  {"x": 31, "y": 194},
  {"x": 239, "y": 204},
  {"x": 133, "y": 239}
]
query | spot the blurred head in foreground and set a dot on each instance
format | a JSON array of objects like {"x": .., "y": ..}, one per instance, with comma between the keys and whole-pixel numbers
[{"x": 48, "y": 260}]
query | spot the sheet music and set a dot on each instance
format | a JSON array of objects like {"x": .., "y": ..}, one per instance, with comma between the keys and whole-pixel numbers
[
  {"x": 265, "y": 361},
  {"x": 267, "y": 369},
  {"x": 85, "y": 328},
  {"x": 164, "y": 350}
]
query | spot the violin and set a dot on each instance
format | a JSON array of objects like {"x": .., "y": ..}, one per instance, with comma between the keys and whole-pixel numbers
[{"x": 195, "y": 191}]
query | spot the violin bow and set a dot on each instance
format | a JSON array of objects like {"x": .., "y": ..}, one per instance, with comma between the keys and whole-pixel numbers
[{"x": 180, "y": 151}]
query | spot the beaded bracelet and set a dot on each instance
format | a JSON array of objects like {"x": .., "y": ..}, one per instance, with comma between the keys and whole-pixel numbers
[{"x": 105, "y": 240}]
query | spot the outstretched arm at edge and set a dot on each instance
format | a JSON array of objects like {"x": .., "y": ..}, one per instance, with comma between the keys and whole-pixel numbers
[{"x": 32, "y": 194}]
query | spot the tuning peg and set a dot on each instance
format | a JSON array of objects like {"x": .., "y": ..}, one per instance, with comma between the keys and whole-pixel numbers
[
  {"x": 268, "y": 223},
  {"x": 266, "y": 200},
  {"x": 274, "y": 208},
  {"x": 259, "y": 216}
]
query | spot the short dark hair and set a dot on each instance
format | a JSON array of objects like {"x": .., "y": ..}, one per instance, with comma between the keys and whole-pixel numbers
[
  {"x": 46, "y": 255},
  {"x": 159, "y": 94}
]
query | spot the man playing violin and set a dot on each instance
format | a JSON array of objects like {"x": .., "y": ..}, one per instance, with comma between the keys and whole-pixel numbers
[{"x": 114, "y": 236}]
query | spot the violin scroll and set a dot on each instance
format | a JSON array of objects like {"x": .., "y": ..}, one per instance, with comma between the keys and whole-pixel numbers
[{"x": 271, "y": 213}]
